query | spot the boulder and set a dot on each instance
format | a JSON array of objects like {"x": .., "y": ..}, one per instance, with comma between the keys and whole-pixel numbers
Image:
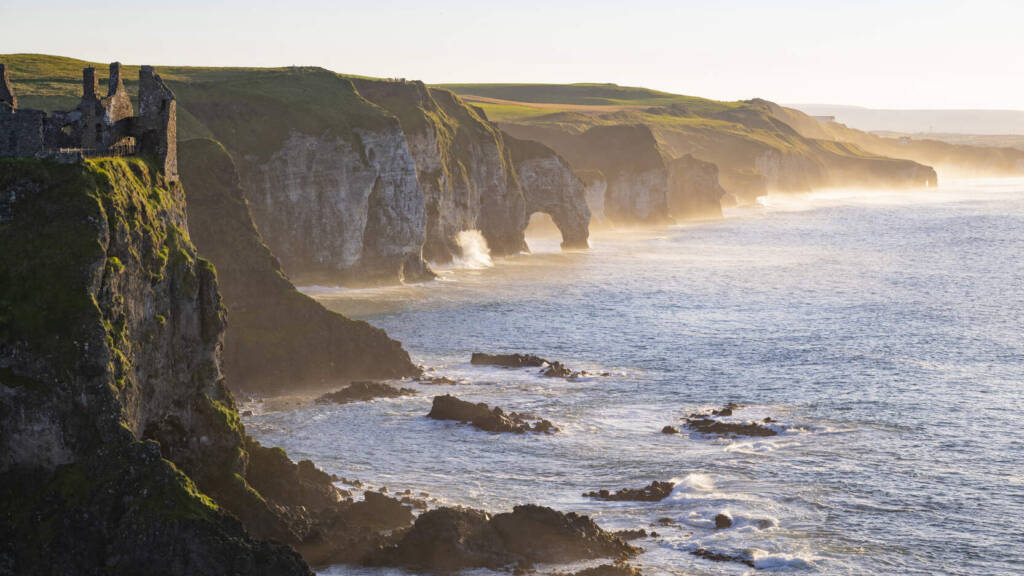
[{"x": 723, "y": 521}]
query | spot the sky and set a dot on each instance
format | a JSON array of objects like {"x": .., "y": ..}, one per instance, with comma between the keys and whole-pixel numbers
[{"x": 882, "y": 54}]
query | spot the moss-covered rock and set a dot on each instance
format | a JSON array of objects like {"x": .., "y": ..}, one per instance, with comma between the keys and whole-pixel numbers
[{"x": 110, "y": 338}]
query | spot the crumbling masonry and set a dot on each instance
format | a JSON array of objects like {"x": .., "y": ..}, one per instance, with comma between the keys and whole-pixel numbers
[{"x": 99, "y": 126}]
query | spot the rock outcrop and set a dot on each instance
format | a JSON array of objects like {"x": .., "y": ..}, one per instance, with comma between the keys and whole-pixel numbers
[
  {"x": 507, "y": 360},
  {"x": 114, "y": 415},
  {"x": 278, "y": 339},
  {"x": 654, "y": 492},
  {"x": 363, "y": 391},
  {"x": 481, "y": 416},
  {"x": 628, "y": 158},
  {"x": 121, "y": 449},
  {"x": 694, "y": 192},
  {"x": 550, "y": 186},
  {"x": 463, "y": 166},
  {"x": 329, "y": 177},
  {"x": 712, "y": 423},
  {"x": 451, "y": 539}
]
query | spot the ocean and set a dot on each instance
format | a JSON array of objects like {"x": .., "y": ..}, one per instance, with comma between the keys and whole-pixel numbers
[{"x": 883, "y": 331}]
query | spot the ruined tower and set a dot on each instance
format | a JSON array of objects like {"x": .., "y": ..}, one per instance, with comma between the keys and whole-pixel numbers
[
  {"x": 90, "y": 84},
  {"x": 6, "y": 93},
  {"x": 99, "y": 126},
  {"x": 158, "y": 121}
]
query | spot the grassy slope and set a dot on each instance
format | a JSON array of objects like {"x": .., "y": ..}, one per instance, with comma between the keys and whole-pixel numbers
[{"x": 216, "y": 102}]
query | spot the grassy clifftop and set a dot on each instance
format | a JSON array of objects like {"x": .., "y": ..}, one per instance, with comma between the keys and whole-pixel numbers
[
  {"x": 750, "y": 137},
  {"x": 250, "y": 110}
]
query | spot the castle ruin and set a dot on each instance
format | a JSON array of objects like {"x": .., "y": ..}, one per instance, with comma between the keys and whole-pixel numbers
[{"x": 99, "y": 126}]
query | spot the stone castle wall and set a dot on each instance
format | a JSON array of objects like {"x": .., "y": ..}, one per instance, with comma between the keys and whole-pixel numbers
[{"x": 100, "y": 125}]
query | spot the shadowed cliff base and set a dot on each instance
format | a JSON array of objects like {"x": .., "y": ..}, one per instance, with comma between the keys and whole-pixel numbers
[{"x": 278, "y": 339}]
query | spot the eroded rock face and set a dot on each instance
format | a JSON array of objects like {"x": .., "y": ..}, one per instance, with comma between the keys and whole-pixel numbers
[
  {"x": 278, "y": 340},
  {"x": 463, "y": 166},
  {"x": 344, "y": 209},
  {"x": 629, "y": 161},
  {"x": 112, "y": 344},
  {"x": 450, "y": 539},
  {"x": 481, "y": 416},
  {"x": 550, "y": 186},
  {"x": 693, "y": 189}
]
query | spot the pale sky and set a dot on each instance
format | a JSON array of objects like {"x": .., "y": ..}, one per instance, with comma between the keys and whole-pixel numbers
[{"x": 891, "y": 54}]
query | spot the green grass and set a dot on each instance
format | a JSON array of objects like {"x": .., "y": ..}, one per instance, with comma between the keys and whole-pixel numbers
[{"x": 250, "y": 110}]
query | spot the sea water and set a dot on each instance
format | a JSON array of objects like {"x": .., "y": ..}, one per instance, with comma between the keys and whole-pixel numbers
[{"x": 884, "y": 331}]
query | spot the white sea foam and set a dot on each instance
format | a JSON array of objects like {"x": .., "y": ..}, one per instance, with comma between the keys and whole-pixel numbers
[{"x": 475, "y": 252}]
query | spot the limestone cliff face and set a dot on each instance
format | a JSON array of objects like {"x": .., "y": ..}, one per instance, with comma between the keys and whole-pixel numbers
[
  {"x": 463, "y": 167},
  {"x": 346, "y": 209},
  {"x": 694, "y": 190},
  {"x": 550, "y": 186},
  {"x": 278, "y": 339},
  {"x": 111, "y": 338},
  {"x": 789, "y": 172},
  {"x": 594, "y": 188},
  {"x": 628, "y": 157}
]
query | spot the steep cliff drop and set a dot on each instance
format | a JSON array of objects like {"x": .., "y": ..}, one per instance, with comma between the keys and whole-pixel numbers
[
  {"x": 693, "y": 189},
  {"x": 462, "y": 164},
  {"x": 330, "y": 180},
  {"x": 110, "y": 338},
  {"x": 550, "y": 186},
  {"x": 278, "y": 339}
]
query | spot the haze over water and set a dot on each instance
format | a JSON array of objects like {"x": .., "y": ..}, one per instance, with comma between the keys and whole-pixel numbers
[{"x": 882, "y": 330}]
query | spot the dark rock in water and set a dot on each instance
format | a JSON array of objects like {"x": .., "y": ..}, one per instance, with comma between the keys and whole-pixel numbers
[
  {"x": 721, "y": 556},
  {"x": 709, "y": 423},
  {"x": 559, "y": 370},
  {"x": 719, "y": 428},
  {"x": 618, "y": 569},
  {"x": 363, "y": 391},
  {"x": 450, "y": 539},
  {"x": 670, "y": 430},
  {"x": 449, "y": 407},
  {"x": 666, "y": 521},
  {"x": 507, "y": 360},
  {"x": 628, "y": 535},
  {"x": 722, "y": 521},
  {"x": 655, "y": 492},
  {"x": 725, "y": 410}
]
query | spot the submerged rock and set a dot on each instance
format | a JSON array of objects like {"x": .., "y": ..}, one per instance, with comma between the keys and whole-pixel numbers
[
  {"x": 670, "y": 430},
  {"x": 364, "y": 391},
  {"x": 628, "y": 535},
  {"x": 617, "y": 569},
  {"x": 449, "y": 407},
  {"x": 654, "y": 492},
  {"x": 721, "y": 556},
  {"x": 559, "y": 370},
  {"x": 507, "y": 360},
  {"x": 709, "y": 423},
  {"x": 435, "y": 380},
  {"x": 451, "y": 539},
  {"x": 719, "y": 428}
]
